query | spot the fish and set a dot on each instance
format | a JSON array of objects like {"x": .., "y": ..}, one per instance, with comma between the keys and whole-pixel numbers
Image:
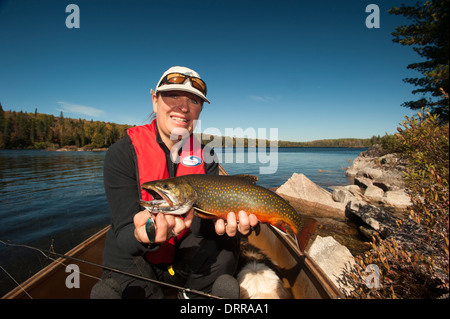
[{"x": 214, "y": 196}]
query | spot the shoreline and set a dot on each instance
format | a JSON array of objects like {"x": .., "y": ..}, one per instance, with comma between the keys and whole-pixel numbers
[
  {"x": 79, "y": 149},
  {"x": 101, "y": 149}
]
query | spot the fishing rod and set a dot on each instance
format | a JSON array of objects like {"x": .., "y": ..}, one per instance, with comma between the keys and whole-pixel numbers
[{"x": 45, "y": 251}]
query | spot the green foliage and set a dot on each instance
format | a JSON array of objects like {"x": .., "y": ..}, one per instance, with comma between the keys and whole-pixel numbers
[
  {"x": 429, "y": 36},
  {"x": 391, "y": 144},
  {"x": 407, "y": 271},
  {"x": 43, "y": 131},
  {"x": 426, "y": 148}
]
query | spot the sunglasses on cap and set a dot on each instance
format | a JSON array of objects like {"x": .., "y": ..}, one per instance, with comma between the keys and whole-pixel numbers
[{"x": 180, "y": 78}]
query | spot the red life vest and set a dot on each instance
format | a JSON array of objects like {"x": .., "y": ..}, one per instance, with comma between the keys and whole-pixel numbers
[{"x": 151, "y": 160}]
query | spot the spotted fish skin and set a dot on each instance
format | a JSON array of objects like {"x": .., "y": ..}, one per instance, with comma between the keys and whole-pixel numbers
[
  {"x": 220, "y": 195},
  {"x": 217, "y": 195}
]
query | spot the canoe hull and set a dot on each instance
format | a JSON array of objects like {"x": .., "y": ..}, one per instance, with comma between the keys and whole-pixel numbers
[
  {"x": 300, "y": 273},
  {"x": 50, "y": 282}
]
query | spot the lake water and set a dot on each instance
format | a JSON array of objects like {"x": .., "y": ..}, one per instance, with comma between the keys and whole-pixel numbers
[{"x": 57, "y": 198}]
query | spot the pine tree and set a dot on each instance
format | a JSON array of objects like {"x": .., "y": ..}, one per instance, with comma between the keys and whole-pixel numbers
[{"x": 429, "y": 37}]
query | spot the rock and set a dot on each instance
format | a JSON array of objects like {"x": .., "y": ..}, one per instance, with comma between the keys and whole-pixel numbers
[
  {"x": 363, "y": 182},
  {"x": 314, "y": 209},
  {"x": 369, "y": 233},
  {"x": 382, "y": 185},
  {"x": 374, "y": 193},
  {"x": 300, "y": 187},
  {"x": 375, "y": 171},
  {"x": 366, "y": 214},
  {"x": 366, "y": 160},
  {"x": 353, "y": 207},
  {"x": 386, "y": 224},
  {"x": 354, "y": 189},
  {"x": 398, "y": 199},
  {"x": 371, "y": 173},
  {"x": 342, "y": 195},
  {"x": 334, "y": 259},
  {"x": 389, "y": 159},
  {"x": 390, "y": 180},
  {"x": 410, "y": 236}
]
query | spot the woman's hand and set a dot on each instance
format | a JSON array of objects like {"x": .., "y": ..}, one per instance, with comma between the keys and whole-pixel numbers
[
  {"x": 231, "y": 227},
  {"x": 167, "y": 226}
]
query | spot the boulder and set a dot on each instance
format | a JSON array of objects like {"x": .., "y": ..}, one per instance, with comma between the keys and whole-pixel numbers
[
  {"x": 384, "y": 223},
  {"x": 374, "y": 194},
  {"x": 397, "y": 199},
  {"x": 389, "y": 159},
  {"x": 334, "y": 259},
  {"x": 363, "y": 182},
  {"x": 300, "y": 187},
  {"x": 390, "y": 180},
  {"x": 375, "y": 171},
  {"x": 344, "y": 194},
  {"x": 368, "y": 215},
  {"x": 370, "y": 172}
]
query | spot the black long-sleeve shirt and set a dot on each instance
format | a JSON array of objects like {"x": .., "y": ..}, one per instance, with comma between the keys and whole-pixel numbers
[{"x": 122, "y": 192}]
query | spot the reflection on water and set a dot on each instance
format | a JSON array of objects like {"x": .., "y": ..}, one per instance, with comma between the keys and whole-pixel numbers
[
  {"x": 325, "y": 166},
  {"x": 45, "y": 198},
  {"x": 43, "y": 193}
]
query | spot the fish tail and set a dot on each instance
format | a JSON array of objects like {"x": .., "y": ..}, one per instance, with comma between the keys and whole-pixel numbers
[{"x": 305, "y": 232}]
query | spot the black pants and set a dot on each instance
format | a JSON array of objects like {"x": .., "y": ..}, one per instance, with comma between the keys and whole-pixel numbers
[{"x": 200, "y": 258}]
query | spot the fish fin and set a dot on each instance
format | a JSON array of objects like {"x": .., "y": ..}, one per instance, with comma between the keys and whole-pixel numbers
[
  {"x": 302, "y": 237},
  {"x": 305, "y": 233},
  {"x": 287, "y": 231},
  {"x": 252, "y": 179},
  {"x": 285, "y": 228},
  {"x": 204, "y": 214}
]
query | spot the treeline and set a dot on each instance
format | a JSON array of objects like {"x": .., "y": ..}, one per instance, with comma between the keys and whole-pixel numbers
[
  {"x": 340, "y": 142},
  {"x": 226, "y": 141},
  {"x": 20, "y": 130}
]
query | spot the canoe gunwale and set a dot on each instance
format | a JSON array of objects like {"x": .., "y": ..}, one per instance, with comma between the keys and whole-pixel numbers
[{"x": 44, "y": 275}]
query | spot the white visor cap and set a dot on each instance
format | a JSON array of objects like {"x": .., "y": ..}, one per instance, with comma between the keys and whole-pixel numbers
[{"x": 186, "y": 86}]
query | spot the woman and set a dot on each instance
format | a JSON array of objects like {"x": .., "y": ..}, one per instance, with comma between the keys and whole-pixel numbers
[{"x": 183, "y": 250}]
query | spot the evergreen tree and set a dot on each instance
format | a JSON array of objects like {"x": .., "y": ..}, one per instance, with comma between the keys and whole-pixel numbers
[
  {"x": 429, "y": 37},
  {"x": 2, "y": 118}
]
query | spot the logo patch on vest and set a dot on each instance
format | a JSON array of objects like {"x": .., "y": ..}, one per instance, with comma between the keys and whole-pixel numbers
[{"x": 191, "y": 161}]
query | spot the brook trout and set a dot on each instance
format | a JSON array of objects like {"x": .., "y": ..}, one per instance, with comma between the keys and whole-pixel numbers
[{"x": 214, "y": 196}]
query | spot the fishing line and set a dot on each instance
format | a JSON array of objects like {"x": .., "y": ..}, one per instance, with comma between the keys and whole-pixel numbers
[
  {"x": 44, "y": 251},
  {"x": 293, "y": 238},
  {"x": 16, "y": 282}
]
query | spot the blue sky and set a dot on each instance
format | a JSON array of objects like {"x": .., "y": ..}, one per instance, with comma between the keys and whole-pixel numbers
[{"x": 311, "y": 69}]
